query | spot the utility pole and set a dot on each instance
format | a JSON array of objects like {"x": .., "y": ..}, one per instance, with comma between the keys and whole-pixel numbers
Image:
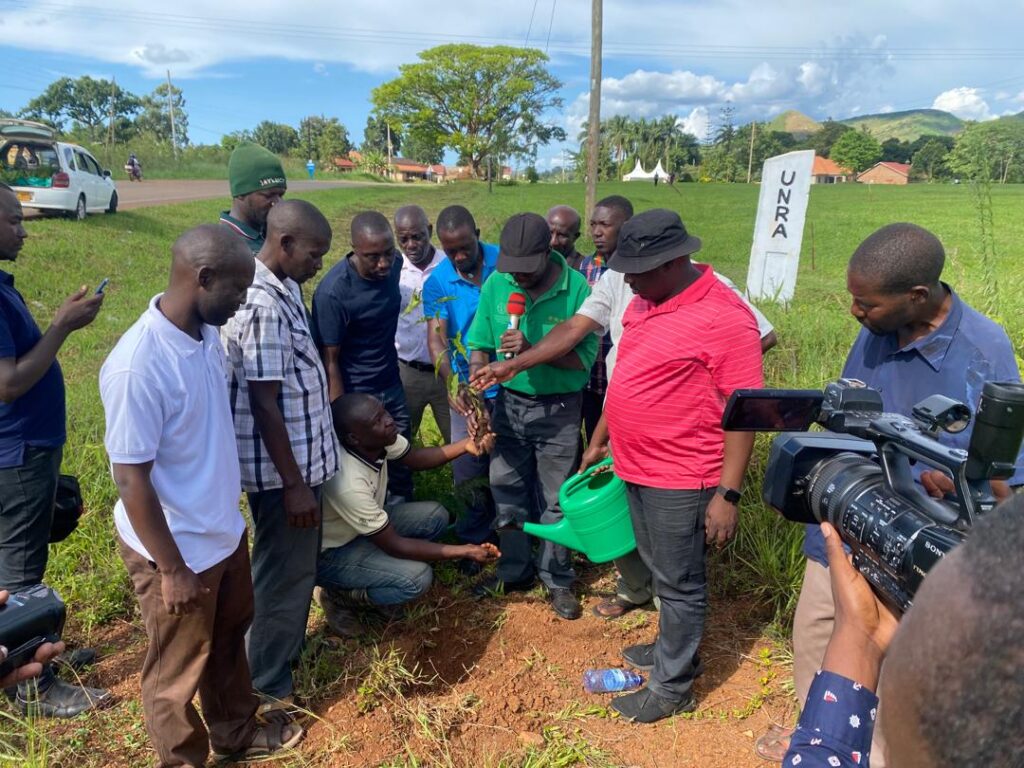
[
  {"x": 750, "y": 159},
  {"x": 110, "y": 129},
  {"x": 170, "y": 109},
  {"x": 490, "y": 176},
  {"x": 594, "y": 134},
  {"x": 388, "y": 125}
]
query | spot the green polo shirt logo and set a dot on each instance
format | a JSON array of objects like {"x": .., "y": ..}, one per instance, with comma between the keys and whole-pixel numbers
[{"x": 557, "y": 304}]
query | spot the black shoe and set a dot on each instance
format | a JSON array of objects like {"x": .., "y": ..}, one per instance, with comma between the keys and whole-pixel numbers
[
  {"x": 644, "y": 706},
  {"x": 78, "y": 659},
  {"x": 61, "y": 700},
  {"x": 492, "y": 585},
  {"x": 564, "y": 603},
  {"x": 642, "y": 657}
]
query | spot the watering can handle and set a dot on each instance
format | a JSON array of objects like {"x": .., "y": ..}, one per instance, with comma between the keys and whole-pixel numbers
[{"x": 578, "y": 479}]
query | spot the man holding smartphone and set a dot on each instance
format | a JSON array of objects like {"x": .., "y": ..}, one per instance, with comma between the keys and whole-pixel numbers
[{"x": 33, "y": 430}]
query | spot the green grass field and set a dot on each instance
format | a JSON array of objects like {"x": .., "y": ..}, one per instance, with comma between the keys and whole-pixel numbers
[{"x": 132, "y": 249}]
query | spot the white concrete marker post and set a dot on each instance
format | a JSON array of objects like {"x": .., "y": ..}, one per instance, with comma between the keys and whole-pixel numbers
[{"x": 779, "y": 228}]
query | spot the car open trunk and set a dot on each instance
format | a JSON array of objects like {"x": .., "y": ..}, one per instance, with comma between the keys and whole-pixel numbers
[{"x": 28, "y": 154}]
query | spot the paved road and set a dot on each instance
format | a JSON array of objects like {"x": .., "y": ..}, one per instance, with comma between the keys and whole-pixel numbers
[{"x": 161, "y": 192}]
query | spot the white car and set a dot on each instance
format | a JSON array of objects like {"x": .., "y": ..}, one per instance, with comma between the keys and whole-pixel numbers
[{"x": 51, "y": 175}]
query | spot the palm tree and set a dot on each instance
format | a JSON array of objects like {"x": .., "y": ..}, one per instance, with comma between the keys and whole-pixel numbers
[{"x": 617, "y": 134}]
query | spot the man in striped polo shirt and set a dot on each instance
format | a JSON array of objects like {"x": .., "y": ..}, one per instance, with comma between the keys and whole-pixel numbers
[
  {"x": 688, "y": 341},
  {"x": 286, "y": 443}
]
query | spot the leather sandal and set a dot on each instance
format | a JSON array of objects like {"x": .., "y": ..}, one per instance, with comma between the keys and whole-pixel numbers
[{"x": 267, "y": 742}]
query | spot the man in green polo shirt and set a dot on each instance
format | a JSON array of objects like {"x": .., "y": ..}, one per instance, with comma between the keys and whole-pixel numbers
[
  {"x": 257, "y": 182},
  {"x": 537, "y": 413}
]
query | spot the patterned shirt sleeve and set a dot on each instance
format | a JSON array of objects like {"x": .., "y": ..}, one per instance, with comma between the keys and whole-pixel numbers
[{"x": 836, "y": 726}]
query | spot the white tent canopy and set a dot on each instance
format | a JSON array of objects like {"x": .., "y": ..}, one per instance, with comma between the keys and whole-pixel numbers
[{"x": 639, "y": 174}]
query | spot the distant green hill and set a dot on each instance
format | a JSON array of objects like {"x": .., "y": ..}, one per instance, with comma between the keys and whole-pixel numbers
[
  {"x": 796, "y": 123},
  {"x": 909, "y": 125}
]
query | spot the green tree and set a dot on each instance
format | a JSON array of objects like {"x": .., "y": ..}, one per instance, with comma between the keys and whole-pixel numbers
[
  {"x": 992, "y": 151},
  {"x": 531, "y": 174},
  {"x": 929, "y": 161},
  {"x": 896, "y": 151},
  {"x": 277, "y": 137},
  {"x": 155, "y": 119},
  {"x": 86, "y": 103},
  {"x": 857, "y": 150},
  {"x": 823, "y": 140},
  {"x": 479, "y": 101},
  {"x": 375, "y": 136},
  {"x": 373, "y": 161},
  {"x": 231, "y": 140},
  {"x": 323, "y": 138},
  {"x": 423, "y": 146}
]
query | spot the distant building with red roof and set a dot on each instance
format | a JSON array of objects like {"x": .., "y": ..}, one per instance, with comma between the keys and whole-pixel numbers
[
  {"x": 827, "y": 171},
  {"x": 886, "y": 173}
]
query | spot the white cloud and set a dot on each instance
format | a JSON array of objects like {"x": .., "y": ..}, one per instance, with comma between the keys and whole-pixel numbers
[
  {"x": 696, "y": 122},
  {"x": 321, "y": 69},
  {"x": 966, "y": 103}
]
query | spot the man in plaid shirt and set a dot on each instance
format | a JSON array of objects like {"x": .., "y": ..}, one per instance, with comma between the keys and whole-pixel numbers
[{"x": 286, "y": 443}]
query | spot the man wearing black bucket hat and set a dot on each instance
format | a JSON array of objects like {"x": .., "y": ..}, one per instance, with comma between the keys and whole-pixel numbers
[
  {"x": 688, "y": 341},
  {"x": 537, "y": 414}
]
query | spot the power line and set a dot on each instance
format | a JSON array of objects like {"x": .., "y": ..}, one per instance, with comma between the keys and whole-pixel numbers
[
  {"x": 691, "y": 51},
  {"x": 551, "y": 22},
  {"x": 529, "y": 28}
]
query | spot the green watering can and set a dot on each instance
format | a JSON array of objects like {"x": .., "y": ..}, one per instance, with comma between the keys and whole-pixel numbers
[{"x": 596, "y": 518}]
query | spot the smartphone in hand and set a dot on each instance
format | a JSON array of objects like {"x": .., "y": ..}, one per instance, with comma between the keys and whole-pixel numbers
[{"x": 102, "y": 286}]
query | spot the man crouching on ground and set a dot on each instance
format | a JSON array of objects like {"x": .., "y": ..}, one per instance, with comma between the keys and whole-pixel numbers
[
  {"x": 373, "y": 556},
  {"x": 171, "y": 443}
]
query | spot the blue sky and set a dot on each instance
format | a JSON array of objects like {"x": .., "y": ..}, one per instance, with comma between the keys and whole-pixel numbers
[{"x": 283, "y": 61}]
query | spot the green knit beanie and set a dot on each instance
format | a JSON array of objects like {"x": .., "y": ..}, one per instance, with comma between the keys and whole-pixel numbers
[{"x": 252, "y": 168}]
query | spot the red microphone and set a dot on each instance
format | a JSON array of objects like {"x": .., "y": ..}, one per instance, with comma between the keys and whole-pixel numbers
[{"x": 516, "y": 308}]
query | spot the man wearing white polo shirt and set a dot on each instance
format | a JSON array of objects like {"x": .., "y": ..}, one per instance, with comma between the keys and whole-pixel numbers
[
  {"x": 172, "y": 449},
  {"x": 421, "y": 383}
]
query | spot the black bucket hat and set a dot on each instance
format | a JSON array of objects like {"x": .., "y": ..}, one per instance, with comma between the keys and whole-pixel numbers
[{"x": 650, "y": 239}]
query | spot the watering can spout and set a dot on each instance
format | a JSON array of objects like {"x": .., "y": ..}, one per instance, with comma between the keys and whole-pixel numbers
[{"x": 560, "y": 533}]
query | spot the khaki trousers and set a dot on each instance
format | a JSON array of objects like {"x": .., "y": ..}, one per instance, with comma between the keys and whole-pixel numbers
[
  {"x": 812, "y": 627},
  {"x": 201, "y": 651}
]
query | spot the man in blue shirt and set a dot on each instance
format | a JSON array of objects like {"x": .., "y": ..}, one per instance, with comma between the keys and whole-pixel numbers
[
  {"x": 32, "y": 435},
  {"x": 954, "y": 695},
  {"x": 919, "y": 338},
  {"x": 450, "y": 299},
  {"x": 355, "y": 318}
]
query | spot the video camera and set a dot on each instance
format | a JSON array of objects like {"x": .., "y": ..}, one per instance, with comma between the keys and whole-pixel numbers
[
  {"x": 29, "y": 618},
  {"x": 858, "y": 476}
]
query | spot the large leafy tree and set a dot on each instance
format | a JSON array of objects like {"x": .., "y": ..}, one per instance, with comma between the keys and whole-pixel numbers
[
  {"x": 858, "y": 150},
  {"x": 992, "y": 151},
  {"x": 478, "y": 101},
  {"x": 155, "y": 117},
  {"x": 86, "y": 103},
  {"x": 375, "y": 136},
  {"x": 323, "y": 138},
  {"x": 829, "y": 133},
  {"x": 277, "y": 137},
  {"x": 930, "y": 159}
]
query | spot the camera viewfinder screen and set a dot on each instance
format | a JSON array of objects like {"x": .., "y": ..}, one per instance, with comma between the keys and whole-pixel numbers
[{"x": 771, "y": 410}]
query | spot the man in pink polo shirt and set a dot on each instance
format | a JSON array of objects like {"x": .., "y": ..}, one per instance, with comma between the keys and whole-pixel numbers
[{"x": 688, "y": 341}]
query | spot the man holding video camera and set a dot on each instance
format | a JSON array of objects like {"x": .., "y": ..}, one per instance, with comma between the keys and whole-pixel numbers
[
  {"x": 954, "y": 691},
  {"x": 918, "y": 339}
]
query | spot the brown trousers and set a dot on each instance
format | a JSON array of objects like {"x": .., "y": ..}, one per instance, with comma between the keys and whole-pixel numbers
[
  {"x": 201, "y": 651},
  {"x": 812, "y": 628}
]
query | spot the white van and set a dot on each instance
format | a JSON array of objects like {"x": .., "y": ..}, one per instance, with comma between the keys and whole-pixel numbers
[{"x": 51, "y": 175}]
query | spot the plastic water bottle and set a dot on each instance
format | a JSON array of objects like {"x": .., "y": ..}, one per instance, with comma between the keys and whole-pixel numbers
[{"x": 611, "y": 680}]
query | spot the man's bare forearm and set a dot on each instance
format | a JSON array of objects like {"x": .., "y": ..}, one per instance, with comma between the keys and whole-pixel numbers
[{"x": 557, "y": 348}]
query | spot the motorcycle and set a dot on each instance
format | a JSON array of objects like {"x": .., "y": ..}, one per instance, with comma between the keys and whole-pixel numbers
[{"x": 134, "y": 171}]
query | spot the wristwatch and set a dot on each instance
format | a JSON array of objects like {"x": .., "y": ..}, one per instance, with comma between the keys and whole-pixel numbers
[{"x": 731, "y": 495}]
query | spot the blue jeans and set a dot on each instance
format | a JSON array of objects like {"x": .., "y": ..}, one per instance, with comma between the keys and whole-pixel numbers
[
  {"x": 669, "y": 528},
  {"x": 361, "y": 565}
]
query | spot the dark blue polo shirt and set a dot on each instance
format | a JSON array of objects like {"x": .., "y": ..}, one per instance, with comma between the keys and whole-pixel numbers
[
  {"x": 361, "y": 318},
  {"x": 955, "y": 360},
  {"x": 36, "y": 419}
]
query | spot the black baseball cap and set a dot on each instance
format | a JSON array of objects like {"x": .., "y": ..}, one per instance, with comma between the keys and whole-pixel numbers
[
  {"x": 525, "y": 243},
  {"x": 650, "y": 239}
]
